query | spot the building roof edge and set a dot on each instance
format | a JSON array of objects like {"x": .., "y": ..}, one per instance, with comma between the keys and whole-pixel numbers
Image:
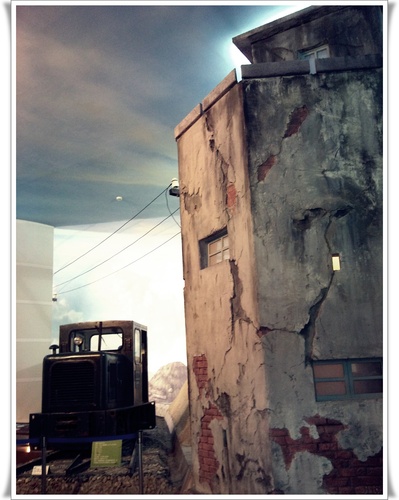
[{"x": 245, "y": 41}]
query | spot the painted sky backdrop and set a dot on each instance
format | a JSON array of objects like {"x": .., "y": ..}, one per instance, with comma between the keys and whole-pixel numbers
[{"x": 99, "y": 91}]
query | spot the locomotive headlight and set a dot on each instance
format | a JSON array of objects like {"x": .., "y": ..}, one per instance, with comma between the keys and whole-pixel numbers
[{"x": 78, "y": 340}]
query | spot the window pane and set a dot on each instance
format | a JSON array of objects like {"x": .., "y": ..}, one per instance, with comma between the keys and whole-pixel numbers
[
  {"x": 322, "y": 54},
  {"x": 214, "y": 259},
  {"x": 372, "y": 386},
  {"x": 333, "y": 370},
  {"x": 109, "y": 342},
  {"x": 215, "y": 246},
  {"x": 366, "y": 369},
  {"x": 330, "y": 388},
  {"x": 214, "y": 249}
]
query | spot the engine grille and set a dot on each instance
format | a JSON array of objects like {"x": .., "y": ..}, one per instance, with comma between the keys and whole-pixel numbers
[{"x": 72, "y": 386}]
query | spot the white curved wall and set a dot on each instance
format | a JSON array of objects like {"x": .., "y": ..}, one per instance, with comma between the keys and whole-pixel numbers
[{"x": 34, "y": 281}]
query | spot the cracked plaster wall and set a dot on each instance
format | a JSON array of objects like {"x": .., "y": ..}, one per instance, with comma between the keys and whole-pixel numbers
[
  {"x": 316, "y": 187},
  {"x": 227, "y": 386},
  {"x": 312, "y": 187},
  {"x": 323, "y": 195}
]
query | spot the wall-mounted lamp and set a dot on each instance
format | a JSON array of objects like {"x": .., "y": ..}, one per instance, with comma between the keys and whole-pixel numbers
[
  {"x": 174, "y": 188},
  {"x": 336, "y": 262}
]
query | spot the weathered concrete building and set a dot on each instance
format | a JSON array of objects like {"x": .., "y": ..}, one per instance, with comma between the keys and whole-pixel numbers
[{"x": 281, "y": 191}]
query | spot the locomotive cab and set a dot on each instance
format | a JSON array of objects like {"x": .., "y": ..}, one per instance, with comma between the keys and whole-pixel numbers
[{"x": 97, "y": 384}]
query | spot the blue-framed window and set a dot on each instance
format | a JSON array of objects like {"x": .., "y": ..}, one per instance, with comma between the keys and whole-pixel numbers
[{"x": 348, "y": 379}]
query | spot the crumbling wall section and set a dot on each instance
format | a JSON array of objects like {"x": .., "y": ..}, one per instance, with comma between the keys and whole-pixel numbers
[
  {"x": 315, "y": 166},
  {"x": 227, "y": 385}
]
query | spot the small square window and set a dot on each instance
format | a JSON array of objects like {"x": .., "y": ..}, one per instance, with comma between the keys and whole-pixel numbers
[
  {"x": 214, "y": 249},
  {"x": 347, "y": 379}
]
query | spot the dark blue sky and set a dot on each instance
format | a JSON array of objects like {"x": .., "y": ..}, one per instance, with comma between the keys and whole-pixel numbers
[{"x": 99, "y": 91}]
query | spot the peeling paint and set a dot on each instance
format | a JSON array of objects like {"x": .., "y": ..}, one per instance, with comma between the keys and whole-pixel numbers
[
  {"x": 251, "y": 467},
  {"x": 237, "y": 312},
  {"x": 192, "y": 202},
  {"x": 346, "y": 474}
]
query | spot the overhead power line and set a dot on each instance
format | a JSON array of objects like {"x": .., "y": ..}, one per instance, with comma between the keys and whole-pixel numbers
[
  {"x": 112, "y": 234},
  {"x": 124, "y": 267},
  {"x": 117, "y": 253},
  {"x": 167, "y": 204}
]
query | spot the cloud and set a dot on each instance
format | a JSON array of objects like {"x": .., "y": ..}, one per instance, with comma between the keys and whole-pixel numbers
[
  {"x": 100, "y": 89},
  {"x": 83, "y": 115}
]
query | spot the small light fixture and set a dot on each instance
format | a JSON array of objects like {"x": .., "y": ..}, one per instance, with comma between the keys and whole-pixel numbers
[
  {"x": 174, "y": 187},
  {"x": 78, "y": 340},
  {"x": 336, "y": 262}
]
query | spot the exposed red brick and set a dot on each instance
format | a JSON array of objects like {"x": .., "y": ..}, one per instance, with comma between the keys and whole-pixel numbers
[
  {"x": 316, "y": 420},
  {"x": 374, "y": 471},
  {"x": 339, "y": 481},
  {"x": 349, "y": 475},
  {"x": 200, "y": 369},
  {"x": 370, "y": 490},
  {"x": 327, "y": 446},
  {"x": 231, "y": 196},
  {"x": 264, "y": 169},
  {"x": 208, "y": 463},
  {"x": 344, "y": 454},
  {"x": 297, "y": 117},
  {"x": 345, "y": 490}
]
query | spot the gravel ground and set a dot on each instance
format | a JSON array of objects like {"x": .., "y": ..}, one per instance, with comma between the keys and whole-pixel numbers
[{"x": 158, "y": 473}]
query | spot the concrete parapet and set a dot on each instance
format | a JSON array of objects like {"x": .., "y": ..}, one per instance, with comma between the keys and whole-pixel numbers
[
  {"x": 186, "y": 123},
  {"x": 219, "y": 91},
  {"x": 303, "y": 67}
]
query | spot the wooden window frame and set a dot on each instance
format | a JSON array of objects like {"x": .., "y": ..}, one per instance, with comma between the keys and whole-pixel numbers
[{"x": 205, "y": 248}]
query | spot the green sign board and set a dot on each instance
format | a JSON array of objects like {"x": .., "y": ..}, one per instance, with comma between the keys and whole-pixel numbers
[{"x": 106, "y": 453}]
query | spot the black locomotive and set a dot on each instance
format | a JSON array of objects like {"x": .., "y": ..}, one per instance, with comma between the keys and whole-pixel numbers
[{"x": 95, "y": 386}]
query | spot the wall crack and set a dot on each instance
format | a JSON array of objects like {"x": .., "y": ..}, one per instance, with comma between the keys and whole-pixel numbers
[{"x": 296, "y": 119}]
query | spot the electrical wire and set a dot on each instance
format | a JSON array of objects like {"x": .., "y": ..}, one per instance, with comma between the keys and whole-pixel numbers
[
  {"x": 112, "y": 234},
  {"x": 124, "y": 267},
  {"x": 117, "y": 253},
  {"x": 167, "y": 204}
]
